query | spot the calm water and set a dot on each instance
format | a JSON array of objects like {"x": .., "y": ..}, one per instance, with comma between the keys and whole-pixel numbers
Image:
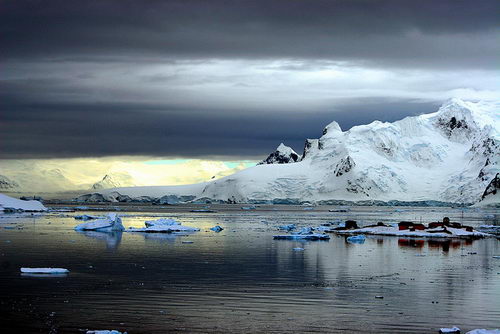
[{"x": 242, "y": 281}]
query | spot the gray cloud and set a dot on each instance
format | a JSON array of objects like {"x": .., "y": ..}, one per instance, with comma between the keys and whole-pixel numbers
[
  {"x": 197, "y": 78},
  {"x": 417, "y": 33}
]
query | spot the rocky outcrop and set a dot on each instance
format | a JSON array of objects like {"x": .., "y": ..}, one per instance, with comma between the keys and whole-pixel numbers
[{"x": 283, "y": 155}]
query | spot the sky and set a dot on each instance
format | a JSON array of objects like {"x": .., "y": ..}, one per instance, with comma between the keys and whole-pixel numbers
[{"x": 227, "y": 81}]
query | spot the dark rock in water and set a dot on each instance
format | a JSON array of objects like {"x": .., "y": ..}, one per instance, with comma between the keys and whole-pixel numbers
[
  {"x": 282, "y": 155},
  {"x": 351, "y": 224}
]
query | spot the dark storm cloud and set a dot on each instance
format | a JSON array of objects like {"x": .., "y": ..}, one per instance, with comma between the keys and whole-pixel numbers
[
  {"x": 419, "y": 33},
  {"x": 88, "y": 130},
  {"x": 99, "y": 78}
]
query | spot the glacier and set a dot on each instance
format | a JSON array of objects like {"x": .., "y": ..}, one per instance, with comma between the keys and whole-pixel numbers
[{"x": 451, "y": 156}]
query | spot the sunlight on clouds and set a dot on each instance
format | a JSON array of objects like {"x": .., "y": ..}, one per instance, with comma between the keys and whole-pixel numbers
[{"x": 81, "y": 173}]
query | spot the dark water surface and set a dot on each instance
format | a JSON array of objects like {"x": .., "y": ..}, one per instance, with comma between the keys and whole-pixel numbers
[{"x": 242, "y": 281}]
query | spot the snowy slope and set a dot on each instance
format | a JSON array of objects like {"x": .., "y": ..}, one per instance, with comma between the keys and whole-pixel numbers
[
  {"x": 450, "y": 155},
  {"x": 7, "y": 202},
  {"x": 114, "y": 180}
]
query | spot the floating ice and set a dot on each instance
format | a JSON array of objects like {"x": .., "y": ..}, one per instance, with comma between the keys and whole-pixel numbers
[
  {"x": 163, "y": 226},
  {"x": 298, "y": 249},
  {"x": 110, "y": 223},
  {"x": 105, "y": 332},
  {"x": 312, "y": 236},
  {"x": 44, "y": 270},
  {"x": 484, "y": 331},
  {"x": 216, "y": 228},
  {"x": 86, "y": 217},
  {"x": 429, "y": 233},
  {"x": 356, "y": 239},
  {"x": 453, "y": 330},
  {"x": 287, "y": 227},
  {"x": 248, "y": 207}
]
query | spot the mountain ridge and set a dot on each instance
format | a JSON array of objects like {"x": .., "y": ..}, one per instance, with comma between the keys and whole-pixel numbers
[{"x": 450, "y": 156}]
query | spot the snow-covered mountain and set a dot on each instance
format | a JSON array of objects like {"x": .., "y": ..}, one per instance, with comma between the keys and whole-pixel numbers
[
  {"x": 283, "y": 155},
  {"x": 7, "y": 184},
  {"x": 450, "y": 155},
  {"x": 114, "y": 180}
]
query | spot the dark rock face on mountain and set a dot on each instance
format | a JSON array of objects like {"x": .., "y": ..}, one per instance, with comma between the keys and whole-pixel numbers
[
  {"x": 282, "y": 155},
  {"x": 7, "y": 184},
  {"x": 493, "y": 187}
]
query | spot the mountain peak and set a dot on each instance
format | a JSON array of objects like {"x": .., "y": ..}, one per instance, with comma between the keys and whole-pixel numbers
[
  {"x": 333, "y": 127},
  {"x": 283, "y": 155}
]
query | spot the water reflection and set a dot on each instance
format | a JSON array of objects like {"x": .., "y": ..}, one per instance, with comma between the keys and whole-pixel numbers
[
  {"x": 112, "y": 239},
  {"x": 434, "y": 244}
]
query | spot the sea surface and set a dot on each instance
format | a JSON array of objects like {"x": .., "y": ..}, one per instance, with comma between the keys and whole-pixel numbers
[{"x": 241, "y": 280}]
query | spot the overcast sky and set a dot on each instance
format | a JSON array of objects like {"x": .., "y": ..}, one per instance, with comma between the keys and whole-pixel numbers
[{"x": 229, "y": 79}]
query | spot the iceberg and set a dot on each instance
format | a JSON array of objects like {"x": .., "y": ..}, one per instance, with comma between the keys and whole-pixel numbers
[
  {"x": 287, "y": 227},
  {"x": 356, "y": 239},
  {"x": 110, "y": 223},
  {"x": 216, "y": 228},
  {"x": 9, "y": 204}
]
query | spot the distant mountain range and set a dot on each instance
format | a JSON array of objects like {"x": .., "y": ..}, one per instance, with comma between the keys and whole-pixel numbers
[{"x": 451, "y": 155}]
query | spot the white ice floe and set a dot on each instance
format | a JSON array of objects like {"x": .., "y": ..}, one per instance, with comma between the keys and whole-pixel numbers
[
  {"x": 44, "y": 270},
  {"x": 216, "y": 228},
  {"x": 248, "y": 207},
  {"x": 452, "y": 330},
  {"x": 484, "y": 331},
  {"x": 492, "y": 229},
  {"x": 428, "y": 233},
  {"x": 110, "y": 223},
  {"x": 163, "y": 226},
  {"x": 8, "y": 203},
  {"x": 105, "y": 332},
  {"x": 298, "y": 249},
  {"x": 356, "y": 239},
  {"x": 287, "y": 227},
  {"x": 306, "y": 233}
]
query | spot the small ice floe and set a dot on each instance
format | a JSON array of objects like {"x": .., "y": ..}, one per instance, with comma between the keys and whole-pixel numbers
[
  {"x": 306, "y": 233},
  {"x": 496, "y": 256},
  {"x": 216, "y": 228},
  {"x": 105, "y": 331},
  {"x": 110, "y": 223},
  {"x": 308, "y": 208},
  {"x": 163, "y": 226},
  {"x": 252, "y": 207},
  {"x": 203, "y": 210},
  {"x": 287, "y": 227},
  {"x": 356, "y": 239},
  {"x": 492, "y": 229},
  {"x": 187, "y": 242},
  {"x": 25, "y": 270},
  {"x": 298, "y": 249},
  {"x": 484, "y": 331},
  {"x": 452, "y": 330},
  {"x": 379, "y": 297},
  {"x": 86, "y": 217}
]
